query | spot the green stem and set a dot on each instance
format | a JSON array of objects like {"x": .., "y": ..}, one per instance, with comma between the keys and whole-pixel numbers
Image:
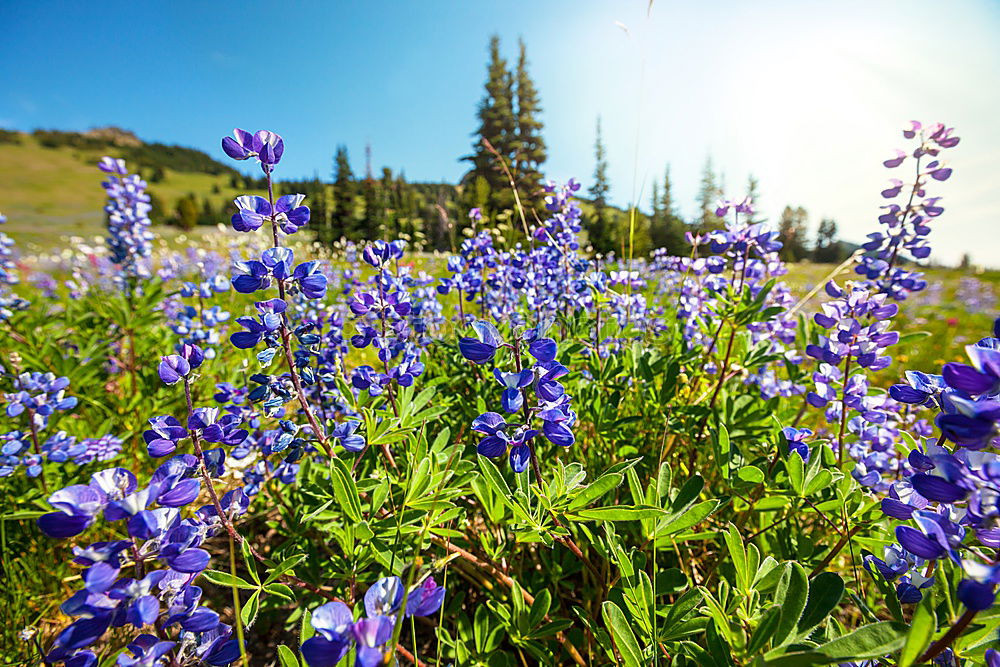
[{"x": 238, "y": 620}]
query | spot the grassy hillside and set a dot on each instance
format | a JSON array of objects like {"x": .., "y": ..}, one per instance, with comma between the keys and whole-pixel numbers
[{"x": 48, "y": 193}]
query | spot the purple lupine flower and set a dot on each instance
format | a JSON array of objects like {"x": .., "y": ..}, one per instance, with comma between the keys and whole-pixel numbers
[
  {"x": 512, "y": 399},
  {"x": 250, "y": 276},
  {"x": 266, "y": 146},
  {"x": 77, "y": 506},
  {"x": 164, "y": 434},
  {"x": 425, "y": 599},
  {"x": 483, "y": 347},
  {"x": 370, "y": 634},
  {"x": 332, "y": 621},
  {"x": 173, "y": 368},
  {"x": 310, "y": 280},
  {"x": 252, "y": 211},
  {"x": 384, "y": 597},
  {"x": 346, "y": 434},
  {"x": 796, "y": 438}
]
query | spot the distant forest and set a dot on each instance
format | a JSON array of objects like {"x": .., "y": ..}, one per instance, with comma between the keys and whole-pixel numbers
[{"x": 507, "y": 148}]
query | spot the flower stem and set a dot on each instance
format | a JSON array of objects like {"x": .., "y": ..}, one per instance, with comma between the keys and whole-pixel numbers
[
  {"x": 286, "y": 345},
  {"x": 38, "y": 449},
  {"x": 947, "y": 638},
  {"x": 238, "y": 617}
]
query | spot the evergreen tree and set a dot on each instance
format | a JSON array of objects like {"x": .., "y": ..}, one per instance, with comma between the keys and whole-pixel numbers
[
  {"x": 666, "y": 227},
  {"x": 655, "y": 217},
  {"x": 374, "y": 209},
  {"x": 207, "y": 216},
  {"x": 827, "y": 250},
  {"x": 498, "y": 125},
  {"x": 529, "y": 146},
  {"x": 708, "y": 197},
  {"x": 792, "y": 233},
  {"x": 319, "y": 210},
  {"x": 343, "y": 220},
  {"x": 389, "y": 199},
  {"x": 753, "y": 192},
  {"x": 187, "y": 212},
  {"x": 157, "y": 210},
  {"x": 599, "y": 229}
]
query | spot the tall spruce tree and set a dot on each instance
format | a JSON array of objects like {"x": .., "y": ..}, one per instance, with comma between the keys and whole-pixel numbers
[
  {"x": 666, "y": 227},
  {"x": 792, "y": 233},
  {"x": 529, "y": 147},
  {"x": 498, "y": 125},
  {"x": 708, "y": 196},
  {"x": 753, "y": 192},
  {"x": 599, "y": 229},
  {"x": 827, "y": 248},
  {"x": 373, "y": 213},
  {"x": 344, "y": 188}
]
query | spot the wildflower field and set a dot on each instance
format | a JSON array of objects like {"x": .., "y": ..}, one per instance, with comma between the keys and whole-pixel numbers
[{"x": 252, "y": 449}]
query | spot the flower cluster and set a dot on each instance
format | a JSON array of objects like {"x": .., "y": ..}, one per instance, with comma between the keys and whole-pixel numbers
[
  {"x": 741, "y": 259},
  {"x": 950, "y": 495},
  {"x": 9, "y": 302},
  {"x": 36, "y": 397},
  {"x": 129, "y": 238},
  {"x": 548, "y": 403},
  {"x": 271, "y": 324},
  {"x": 384, "y": 313},
  {"x": 122, "y": 585},
  {"x": 198, "y": 323},
  {"x": 907, "y": 225},
  {"x": 338, "y": 631},
  {"x": 859, "y": 317}
]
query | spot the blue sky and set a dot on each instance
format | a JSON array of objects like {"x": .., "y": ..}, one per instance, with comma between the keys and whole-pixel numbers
[{"x": 808, "y": 96}]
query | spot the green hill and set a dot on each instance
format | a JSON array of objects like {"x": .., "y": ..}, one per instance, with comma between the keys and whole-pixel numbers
[
  {"x": 50, "y": 186},
  {"x": 50, "y": 189}
]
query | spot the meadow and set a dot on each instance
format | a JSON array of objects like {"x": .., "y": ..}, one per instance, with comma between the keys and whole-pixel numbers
[{"x": 242, "y": 446}]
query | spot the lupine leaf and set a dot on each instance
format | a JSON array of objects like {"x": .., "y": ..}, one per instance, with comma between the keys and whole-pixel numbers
[
  {"x": 597, "y": 489},
  {"x": 922, "y": 626},
  {"x": 621, "y": 513},
  {"x": 345, "y": 490},
  {"x": 790, "y": 596},
  {"x": 678, "y": 522},
  {"x": 220, "y": 578},
  {"x": 621, "y": 632},
  {"x": 765, "y": 630},
  {"x": 825, "y": 592},
  {"x": 287, "y": 656},
  {"x": 869, "y": 641}
]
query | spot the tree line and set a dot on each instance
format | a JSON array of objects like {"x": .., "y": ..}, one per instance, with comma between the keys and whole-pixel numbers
[
  {"x": 507, "y": 157},
  {"x": 505, "y": 171}
]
